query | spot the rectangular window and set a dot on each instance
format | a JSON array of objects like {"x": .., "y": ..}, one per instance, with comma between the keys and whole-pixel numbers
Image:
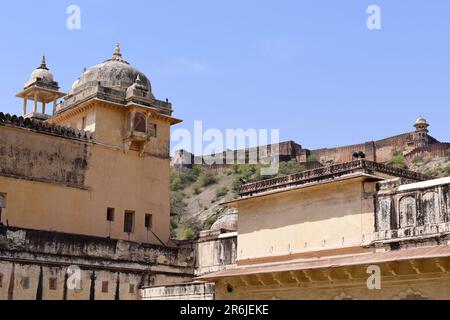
[
  {"x": 105, "y": 285},
  {"x": 148, "y": 221},
  {"x": 132, "y": 288},
  {"x": 128, "y": 225},
  {"x": 1, "y": 280},
  {"x": 52, "y": 284},
  {"x": 25, "y": 282},
  {"x": 110, "y": 214}
]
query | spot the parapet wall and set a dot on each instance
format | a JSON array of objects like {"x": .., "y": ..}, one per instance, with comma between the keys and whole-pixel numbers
[{"x": 38, "y": 151}]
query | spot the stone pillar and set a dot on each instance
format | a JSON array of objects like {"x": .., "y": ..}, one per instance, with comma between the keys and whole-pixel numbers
[
  {"x": 25, "y": 101},
  {"x": 35, "y": 103},
  {"x": 54, "y": 106},
  {"x": 43, "y": 107}
]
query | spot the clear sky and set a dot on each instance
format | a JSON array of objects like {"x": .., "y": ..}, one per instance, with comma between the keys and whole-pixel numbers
[{"x": 310, "y": 68}]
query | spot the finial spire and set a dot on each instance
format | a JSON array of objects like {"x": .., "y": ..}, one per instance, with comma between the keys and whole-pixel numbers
[
  {"x": 117, "y": 53},
  {"x": 43, "y": 64}
]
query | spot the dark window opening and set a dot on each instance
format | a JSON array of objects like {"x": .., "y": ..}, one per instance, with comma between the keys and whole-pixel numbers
[
  {"x": 132, "y": 288},
  {"x": 1, "y": 280},
  {"x": 148, "y": 221},
  {"x": 110, "y": 214},
  {"x": 26, "y": 282},
  {"x": 140, "y": 122},
  {"x": 128, "y": 225},
  {"x": 105, "y": 285},
  {"x": 52, "y": 283}
]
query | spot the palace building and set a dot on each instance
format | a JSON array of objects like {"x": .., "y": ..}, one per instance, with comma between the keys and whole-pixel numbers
[
  {"x": 85, "y": 210},
  {"x": 85, "y": 182}
]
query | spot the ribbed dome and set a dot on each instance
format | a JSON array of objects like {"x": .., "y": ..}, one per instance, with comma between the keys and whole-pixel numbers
[
  {"x": 114, "y": 73},
  {"x": 42, "y": 73}
]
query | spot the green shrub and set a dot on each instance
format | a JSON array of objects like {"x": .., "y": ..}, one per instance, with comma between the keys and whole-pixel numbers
[
  {"x": 439, "y": 172},
  {"x": 208, "y": 223},
  {"x": 397, "y": 153},
  {"x": 291, "y": 167},
  {"x": 173, "y": 223},
  {"x": 221, "y": 192},
  {"x": 175, "y": 182},
  {"x": 237, "y": 184},
  {"x": 173, "y": 228},
  {"x": 398, "y": 160},
  {"x": 206, "y": 179},
  {"x": 177, "y": 204},
  {"x": 417, "y": 160},
  {"x": 188, "y": 234},
  {"x": 197, "y": 189}
]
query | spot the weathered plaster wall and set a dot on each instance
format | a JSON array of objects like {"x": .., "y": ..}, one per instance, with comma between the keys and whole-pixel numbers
[
  {"x": 417, "y": 212},
  {"x": 215, "y": 251},
  {"x": 328, "y": 216},
  {"x": 42, "y": 157},
  {"x": 31, "y": 260}
]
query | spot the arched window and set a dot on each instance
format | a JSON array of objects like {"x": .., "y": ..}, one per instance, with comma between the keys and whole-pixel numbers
[
  {"x": 140, "y": 123},
  {"x": 407, "y": 212},
  {"x": 430, "y": 207}
]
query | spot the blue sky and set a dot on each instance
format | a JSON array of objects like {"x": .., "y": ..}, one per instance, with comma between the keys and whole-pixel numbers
[{"x": 309, "y": 68}]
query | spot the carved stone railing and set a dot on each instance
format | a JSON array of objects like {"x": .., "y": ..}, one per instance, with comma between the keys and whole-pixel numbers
[
  {"x": 327, "y": 173},
  {"x": 96, "y": 90}
]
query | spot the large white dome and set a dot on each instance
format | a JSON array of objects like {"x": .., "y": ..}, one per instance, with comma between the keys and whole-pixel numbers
[{"x": 114, "y": 73}]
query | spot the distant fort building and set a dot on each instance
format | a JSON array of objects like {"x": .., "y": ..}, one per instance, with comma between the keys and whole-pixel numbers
[{"x": 412, "y": 144}]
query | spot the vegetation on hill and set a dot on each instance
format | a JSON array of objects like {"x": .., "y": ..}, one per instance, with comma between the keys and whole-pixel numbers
[
  {"x": 398, "y": 160},
  {"x": 197, "y": 192}
]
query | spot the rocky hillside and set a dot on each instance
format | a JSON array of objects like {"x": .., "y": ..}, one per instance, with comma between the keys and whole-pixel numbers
[{"x": 198, "y": 192}]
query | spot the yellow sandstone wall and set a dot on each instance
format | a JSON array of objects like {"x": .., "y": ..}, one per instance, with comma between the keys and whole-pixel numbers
[
  {"x": 76, "y": 181},
  {"x": 329, "y": 216}
]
